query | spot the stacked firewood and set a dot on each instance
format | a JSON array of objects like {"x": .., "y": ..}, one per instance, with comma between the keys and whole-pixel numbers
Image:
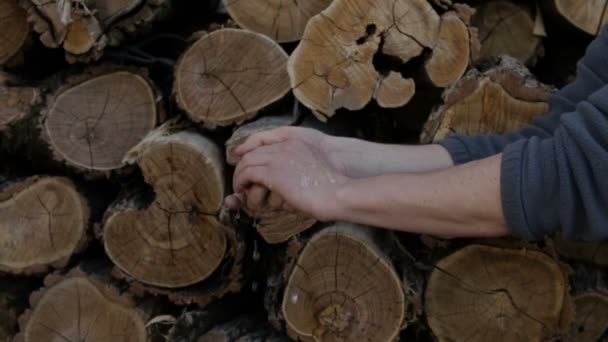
[{"x": 118, "y": 124}]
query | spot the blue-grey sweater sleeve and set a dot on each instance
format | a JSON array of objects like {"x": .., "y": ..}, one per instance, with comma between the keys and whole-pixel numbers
[
  {"x": 592, "y": 74},
  {"x": 561, "y": 181},
  {"x": 554, "y": 174}
]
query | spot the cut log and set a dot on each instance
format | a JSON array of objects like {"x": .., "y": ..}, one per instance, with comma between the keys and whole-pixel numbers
[
  {"x": 168, "y": 247},
  {"x": 497, "y": 100},
  {"x": 343, "y": 288},
  {"x": 15, "y": 30},
  {"x": 507, "y": 28},
  {"x": 228, "y": 75},
  {"x": 587, "y": 15},
  {"x": 80, "y": 307},
  {"x": 94, "y": 120},
  {"x": 590, "y": 287},
  {"x": 274, "y": 225},
  {"x": 591, "y": 321},
  {"x": 176, "y": 241},
  {"x": 482, "y": 293},
  {"x": 85, "y": 28},
  {"x": 43, "y": 222},
  {"x": 283, "y": 21},
  {"x": 335, "y": 64},
  {"x": 16, "y": 103}
]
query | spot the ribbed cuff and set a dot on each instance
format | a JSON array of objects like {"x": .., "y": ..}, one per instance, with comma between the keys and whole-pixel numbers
[
  {"x": 511, "y": 191},
  {"x": 458, "y": 150}
]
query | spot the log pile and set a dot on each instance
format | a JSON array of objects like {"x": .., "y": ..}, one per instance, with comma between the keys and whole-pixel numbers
[{"x": 116, "y": 157}]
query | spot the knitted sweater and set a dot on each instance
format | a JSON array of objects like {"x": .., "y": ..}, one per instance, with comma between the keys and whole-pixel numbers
[{"x": 554, "y": 173}]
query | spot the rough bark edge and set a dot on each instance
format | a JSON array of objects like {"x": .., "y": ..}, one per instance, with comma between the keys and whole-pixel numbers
[
  {"x": 567, "y": 313},
  {"x": 229, "y": 276},
  {"x": 227, "y": 122},
  {"x": 80, "y": 245},
  {"x": 503, "y": 70},
  {"x": 101, "y": 282},
  {"x": 10, "y": 81},
  {"x": 64, "y": 82},
  {"x": 372, "y": 243},
  {"x": 111, "y": 36}
]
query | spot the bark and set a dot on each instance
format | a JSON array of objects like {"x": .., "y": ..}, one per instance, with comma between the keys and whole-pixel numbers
[
  {"x": 501, "y": 98},
  {"x": 177, "y": 240},
  {"x": 343, "y": 287},
  {"x": 95, "y": 118},
  {"x": 85, "y": 28}
]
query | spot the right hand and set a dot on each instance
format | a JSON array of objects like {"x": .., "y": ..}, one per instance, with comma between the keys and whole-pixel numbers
[{"x": 326, "y": 147}]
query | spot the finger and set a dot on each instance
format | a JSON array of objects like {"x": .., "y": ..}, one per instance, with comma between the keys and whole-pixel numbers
[
  {"x": 275, "y": 200},
  {"x": 287, "y": 207},
  {"x": 259, "y": 157},
  {"x": 252, "y": 175},
  {"x": 256, "y": 196},
  {"x": 234, "y": 201},
  {"x": 256, "y": 140}
]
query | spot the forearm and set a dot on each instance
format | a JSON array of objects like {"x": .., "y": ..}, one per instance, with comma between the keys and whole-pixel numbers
[
  {"x": 365, "y": 159},
  {"x": 462, "y": 201}
]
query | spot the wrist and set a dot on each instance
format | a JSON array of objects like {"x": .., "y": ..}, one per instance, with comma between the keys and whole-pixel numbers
[{"x": 339, "y": 202}]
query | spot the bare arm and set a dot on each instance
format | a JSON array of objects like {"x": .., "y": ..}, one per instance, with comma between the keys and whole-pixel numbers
[
  {"x": 454, "y": 202},
  {"x": 355, "y": 157},
  {"x": 361, "y": 158},
  {"x": 463, "y": 201}
]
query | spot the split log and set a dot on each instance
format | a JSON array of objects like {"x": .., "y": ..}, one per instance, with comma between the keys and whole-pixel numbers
[
  {"x": 16, "y": 102},
  {"x": 97, "y": 117},
  {"x": 283, "y": 21},
  {"x": 44, "y": 221},
  {"x": 81, "y": 307},
  {"x": 482, "y": 293},
  {"x": 337, "y": 64},
  {"x": 15, "y": 31},
  {"x": 501, "y": 98},
  {"x": 228, "y": 75},
  {"x": 507, "y": 28},
  {"x": 343, "y": 287},
  {"x": 177, "y": 240},
  {"x": 587, "y": 16},
  {"x": 455, "y": 47},
  {"x": 85, "y": 28},
  {"x": 274, "y": 225}
]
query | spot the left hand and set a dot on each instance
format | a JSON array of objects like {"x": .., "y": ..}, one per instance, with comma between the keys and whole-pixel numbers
[{"x": 297, "y": 175}]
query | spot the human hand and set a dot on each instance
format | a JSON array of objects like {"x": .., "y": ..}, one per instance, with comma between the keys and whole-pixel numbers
[{"x": 295, "y": 171}]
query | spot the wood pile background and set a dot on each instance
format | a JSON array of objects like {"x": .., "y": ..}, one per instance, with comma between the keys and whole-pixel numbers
[{"x": 118, "y": 119}]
